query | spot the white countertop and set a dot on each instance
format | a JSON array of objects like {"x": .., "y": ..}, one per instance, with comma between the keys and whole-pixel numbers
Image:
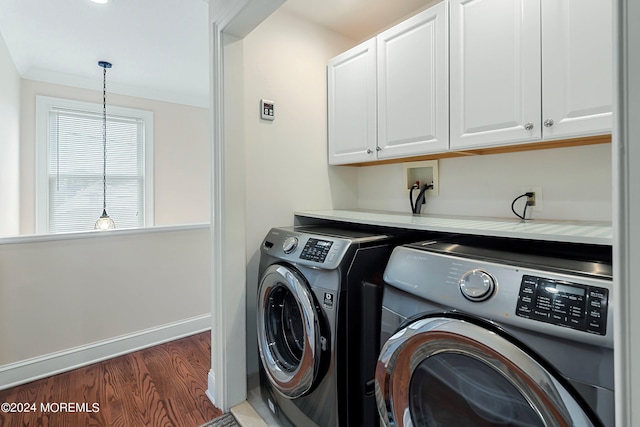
[{"x": 593, "y": 232}]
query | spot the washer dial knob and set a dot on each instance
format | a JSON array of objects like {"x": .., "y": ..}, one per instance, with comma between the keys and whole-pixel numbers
[
  {"x": 477, "y": 285},
  {"x": 290, "y": 244}
]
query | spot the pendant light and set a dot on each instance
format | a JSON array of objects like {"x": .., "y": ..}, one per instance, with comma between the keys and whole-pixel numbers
[{"x": 104, "y": 222}]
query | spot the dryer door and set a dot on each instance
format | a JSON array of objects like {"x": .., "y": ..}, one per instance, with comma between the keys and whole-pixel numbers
[
  {"x": 450, "y": 371},
  {"x": 289, "y": 331}
]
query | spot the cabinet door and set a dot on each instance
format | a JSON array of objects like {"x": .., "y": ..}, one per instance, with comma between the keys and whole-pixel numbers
[
  {"x": 495, "y": 72},
  {"x": 413, "y": 104},
  {"x": 351, "y": 83},
  {"x": 577, "y": 67}
]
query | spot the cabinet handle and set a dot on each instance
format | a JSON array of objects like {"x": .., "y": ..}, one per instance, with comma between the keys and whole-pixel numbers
[
  {"x": 378, "y": 149},
  {"x": 548, "y": 123},
  {"x": 369, "y": 151},
  {"x": 528, "y": 126}
]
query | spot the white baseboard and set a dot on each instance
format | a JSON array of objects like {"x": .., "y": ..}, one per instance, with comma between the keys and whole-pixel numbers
[
  {"x": 28, "y": 370},
  {"x": 211, "y": 388}
]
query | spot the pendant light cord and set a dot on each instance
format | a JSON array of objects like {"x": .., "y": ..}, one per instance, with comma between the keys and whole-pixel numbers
[
  {"x": 104, "y": 222},
  {"x": 104, "y": 141}
]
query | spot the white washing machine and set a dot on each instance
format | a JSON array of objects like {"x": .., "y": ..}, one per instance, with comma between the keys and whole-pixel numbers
[
  {"x": 319, "y": 304},
  {"x": 496, "y": 332}
]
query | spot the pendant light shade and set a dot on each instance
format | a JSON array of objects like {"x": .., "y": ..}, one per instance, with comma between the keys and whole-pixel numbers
[{"x": 104, "y": 222}]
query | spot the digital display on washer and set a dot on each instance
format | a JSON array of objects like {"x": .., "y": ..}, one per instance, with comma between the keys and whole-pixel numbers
[
  {"x": 316, "y": 250},
  {"x": 554, "y": 287},
  {"x": 572, "y": 290},
  {"x": 563, "y": 303}
]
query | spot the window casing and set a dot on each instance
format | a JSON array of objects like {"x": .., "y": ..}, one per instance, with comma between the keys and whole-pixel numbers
[{"x": 69, "y": 166}]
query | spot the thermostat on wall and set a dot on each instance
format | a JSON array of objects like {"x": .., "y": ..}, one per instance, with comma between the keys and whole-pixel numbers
[{"x": 266, "y": 109}]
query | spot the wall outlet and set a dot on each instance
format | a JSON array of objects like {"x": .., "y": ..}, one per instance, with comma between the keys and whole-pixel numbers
[
  {"x": 537, "y": 206},
  {"x": 531, "y": 200},
  {"x": 425, "y": 172}
]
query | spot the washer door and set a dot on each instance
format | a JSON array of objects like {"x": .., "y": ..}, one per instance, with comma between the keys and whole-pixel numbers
[
  {"x": 447, "y": 371},
  {"x": 289, "y": 335}
]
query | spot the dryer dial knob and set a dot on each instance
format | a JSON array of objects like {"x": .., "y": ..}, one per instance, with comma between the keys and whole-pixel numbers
[
  {"x": 477, "y": 285},
  {"x": 290, "y": 244}
]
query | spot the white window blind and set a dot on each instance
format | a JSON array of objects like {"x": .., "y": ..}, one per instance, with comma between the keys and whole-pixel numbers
[{"x": 74, "y": 166}]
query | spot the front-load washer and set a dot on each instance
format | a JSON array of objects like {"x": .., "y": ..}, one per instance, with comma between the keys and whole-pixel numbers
[
  {"x": 494, "y": 332},
  {"x": 318, "y": 316}
]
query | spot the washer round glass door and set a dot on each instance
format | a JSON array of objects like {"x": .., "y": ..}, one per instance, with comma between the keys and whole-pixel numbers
[
  {"x": 289, "y": 336},
  {"x": 442, "y": 371}
]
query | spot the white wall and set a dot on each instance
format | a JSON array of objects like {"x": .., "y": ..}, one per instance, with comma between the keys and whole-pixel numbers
[
  {"x": 9, "y": 144},
  {"x": 576, "y": 184},
  {"x": 181, "y": 154},
  {"x": 286, "y": 160},
  {"x": 58, "y": 294}
]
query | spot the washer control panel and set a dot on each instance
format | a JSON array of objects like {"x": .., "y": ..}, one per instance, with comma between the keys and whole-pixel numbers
[
  {"x": 316, "y": 250},
  {"x": 572, "y": 303},
  {"x": 317, "y": 246},
  {"x": 563, "y": 303}
]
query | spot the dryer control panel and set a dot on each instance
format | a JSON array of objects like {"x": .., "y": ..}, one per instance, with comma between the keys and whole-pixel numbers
[
  {"x": 564, "y": 303},
  {"x": 564, "y": 298},
  {"x": 317, "y": 246},
  {"x": 316, "y": 250}
]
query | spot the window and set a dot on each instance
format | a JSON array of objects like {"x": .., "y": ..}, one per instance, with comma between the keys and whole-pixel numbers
[{"x": 69, "y": 166}]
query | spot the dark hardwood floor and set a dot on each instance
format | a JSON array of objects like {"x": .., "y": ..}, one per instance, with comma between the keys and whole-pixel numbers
[{"x": 159, "y": 386}]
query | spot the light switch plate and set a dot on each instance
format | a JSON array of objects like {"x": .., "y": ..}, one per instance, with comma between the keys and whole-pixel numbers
[{"x": 266, "y": 109}]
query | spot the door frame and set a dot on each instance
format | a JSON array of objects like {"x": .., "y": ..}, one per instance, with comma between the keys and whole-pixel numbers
[
  {"x": 229, "y": 20},
  {"x": 626, "y": 207}
]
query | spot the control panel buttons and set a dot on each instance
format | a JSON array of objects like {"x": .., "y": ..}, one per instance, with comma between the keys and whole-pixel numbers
[
  {"x": 562, "y": 303},
  {"x": 596, "y": 312},
  {"x": 290, "y": 244},
  {"x": 316, "y": 250},
  {"x": 477, "y": 285}
]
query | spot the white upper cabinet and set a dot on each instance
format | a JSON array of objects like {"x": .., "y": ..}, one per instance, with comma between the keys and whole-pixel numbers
[
  {"x": 495, "y": 72},
  {"x": 352, "y": 126},
  {"x": 468, "y": 74},
  {"x": 388, "y": 97},
  {"x": 413, "y": 83},
  {"x": 507, "y": 87},
  {"x": 577, "y": 66}
]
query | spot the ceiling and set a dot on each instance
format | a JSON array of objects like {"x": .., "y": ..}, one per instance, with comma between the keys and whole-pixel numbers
[
  {"x": 159, "y": 48},
  {"x": 154, "y": 45},
  {"x": 356, "y": 19}
]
